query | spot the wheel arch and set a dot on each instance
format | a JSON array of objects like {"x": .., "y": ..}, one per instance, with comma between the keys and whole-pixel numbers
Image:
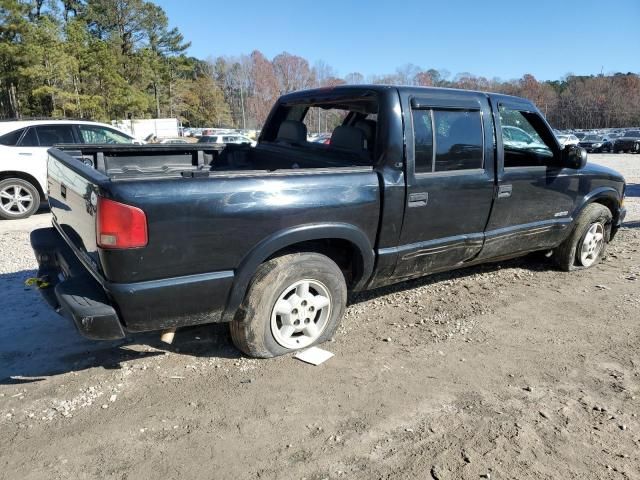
[
  {"x": 315, "y": 237},
  {"x": 607, "y": 197},
  {"x": 4, "y": 175}
]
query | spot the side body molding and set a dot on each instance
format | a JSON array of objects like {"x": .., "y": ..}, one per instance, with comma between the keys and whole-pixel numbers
[{"x": 286, "y": 238}]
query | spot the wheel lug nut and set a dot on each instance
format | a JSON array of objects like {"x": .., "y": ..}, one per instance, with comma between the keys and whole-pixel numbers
[
  {"x": 296, "y": 322},
  {"x": 304, "y": 303},
  {"x": 294, "y": 311},
  {"x": 306, "y": 321}
]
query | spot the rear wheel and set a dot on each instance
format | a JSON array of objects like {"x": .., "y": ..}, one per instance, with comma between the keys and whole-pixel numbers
[
  {"x": 293, "y": 302},
  {"x": 18, "y": 199},
  {"x": 587, "y": 243}
]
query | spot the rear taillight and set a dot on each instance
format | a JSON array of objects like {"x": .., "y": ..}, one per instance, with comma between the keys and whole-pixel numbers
[{"x": 120, "y": 226}]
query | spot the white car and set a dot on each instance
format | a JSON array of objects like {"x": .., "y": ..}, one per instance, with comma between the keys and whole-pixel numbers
[
  {"x": 23, "y": 158},
  {"x": 567, "y": 139},
  {"x": 226, "y": 139}
]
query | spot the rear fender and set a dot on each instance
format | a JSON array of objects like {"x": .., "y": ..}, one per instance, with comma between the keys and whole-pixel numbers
[{"x": 289, "y": 237}]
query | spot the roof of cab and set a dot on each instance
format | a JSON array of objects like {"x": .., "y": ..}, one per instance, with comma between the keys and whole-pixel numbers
[{"x": 346, "y": 89}]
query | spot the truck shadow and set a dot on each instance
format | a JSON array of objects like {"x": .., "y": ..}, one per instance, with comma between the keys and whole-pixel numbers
[{"x": 37, "y": 343}]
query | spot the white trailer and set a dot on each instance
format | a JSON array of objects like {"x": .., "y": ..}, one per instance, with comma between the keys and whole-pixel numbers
[{"x": 140, "y": 129}]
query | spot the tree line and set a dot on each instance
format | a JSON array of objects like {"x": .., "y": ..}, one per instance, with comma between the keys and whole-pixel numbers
[{"x": 114, "y": 59}]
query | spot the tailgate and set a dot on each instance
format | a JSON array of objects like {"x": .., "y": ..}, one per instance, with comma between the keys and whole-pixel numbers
[{"x": 73, "y": 189}]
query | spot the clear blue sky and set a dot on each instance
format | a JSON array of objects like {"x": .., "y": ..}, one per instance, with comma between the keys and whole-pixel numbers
[{"x": 499, "y": 38}]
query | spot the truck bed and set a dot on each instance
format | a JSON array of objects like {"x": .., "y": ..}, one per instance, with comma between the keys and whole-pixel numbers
[
  {"x": 207, "y": 219},
  {"x": 126, "y": 162}
]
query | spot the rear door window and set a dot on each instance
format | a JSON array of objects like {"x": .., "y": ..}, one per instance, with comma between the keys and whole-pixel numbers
[
  {"x": 50, "y": 135},
  {"x": 11, "y": 138},
  {"x": 458, "y": 140},
  {"x": 447, "y": 140}
]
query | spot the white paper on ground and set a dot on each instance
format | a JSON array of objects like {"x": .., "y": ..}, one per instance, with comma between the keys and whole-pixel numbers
[{"x": 313, "y": 355}]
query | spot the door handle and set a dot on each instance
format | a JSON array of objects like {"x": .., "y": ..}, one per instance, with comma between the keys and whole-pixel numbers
[
  {"x": 418, "y": 199},
  {"x": 504, "y": 191},
  {"x": 63, "y": 190}
]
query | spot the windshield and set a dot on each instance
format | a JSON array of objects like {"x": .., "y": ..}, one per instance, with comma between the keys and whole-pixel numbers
[
  {"x": 592, "y": 138},
  {"x": 632, "y": 133}
]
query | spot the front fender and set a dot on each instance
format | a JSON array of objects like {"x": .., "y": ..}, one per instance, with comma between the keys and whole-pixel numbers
[
  {"x": 607, "y": 195},
  {"x": 289, "y": 237}
]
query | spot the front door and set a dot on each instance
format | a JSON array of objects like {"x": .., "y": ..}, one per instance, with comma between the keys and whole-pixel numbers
[
  {"x": 450, "y": 181},
  {"x": 536, "y": 193}
]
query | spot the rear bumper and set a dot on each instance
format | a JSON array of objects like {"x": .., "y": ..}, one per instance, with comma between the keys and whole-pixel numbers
[
  {"x": 72, "y": 291},
  {"x": 106, "y": 311}
]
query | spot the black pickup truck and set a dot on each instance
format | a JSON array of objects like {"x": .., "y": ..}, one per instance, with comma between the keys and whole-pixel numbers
[{"x": 271, "y": 238}]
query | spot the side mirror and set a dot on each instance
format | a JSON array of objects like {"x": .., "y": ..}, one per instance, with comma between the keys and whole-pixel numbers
[{"x": 574, "y": 156}]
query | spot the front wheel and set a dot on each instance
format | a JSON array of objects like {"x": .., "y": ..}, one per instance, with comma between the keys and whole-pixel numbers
[
  {"x": 18, "y": 199},
  {"x": 294, "y": 301},
  {"x": 587, "y": 243}
]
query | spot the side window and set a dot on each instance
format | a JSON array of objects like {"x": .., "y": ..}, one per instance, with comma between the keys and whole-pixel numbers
[
  {"x": 458, "y": 140},
  {"x": 95, "y": 135},
  {"x": 423, "y": 138},
  {"x": 11, "y": 138},
  {"x": 522, "y": 142},
  {"x": 50, "y": 135},
  {"x": 30, "y": 139}
]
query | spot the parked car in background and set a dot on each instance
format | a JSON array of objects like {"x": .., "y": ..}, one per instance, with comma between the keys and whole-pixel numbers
[
  {"x": 173, "y": 141},
  {"x": 567, "y": 139},
  {"x": 629, "y": 142},
  {"x": 324, "y": 138},
  {"x": 596, "y": 143},
  {"x": 518, "y": 138},
  {"x": 227, "y": 139},
  {"x": 23, "y": 157},
  {"x": 580, "y": 135}
]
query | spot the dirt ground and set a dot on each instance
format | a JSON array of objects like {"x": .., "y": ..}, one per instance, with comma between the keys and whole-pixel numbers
[{"x": 505, "y": 371}]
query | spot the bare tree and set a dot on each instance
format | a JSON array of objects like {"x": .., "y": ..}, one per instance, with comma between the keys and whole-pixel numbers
[{"x": 292, "y": 72}]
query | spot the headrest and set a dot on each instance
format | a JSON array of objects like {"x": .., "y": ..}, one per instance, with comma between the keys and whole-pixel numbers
[
  {"x": 292, "y": 132},
  {"x": 349, "y": 138},
  {"x": 369, "y": 129}
]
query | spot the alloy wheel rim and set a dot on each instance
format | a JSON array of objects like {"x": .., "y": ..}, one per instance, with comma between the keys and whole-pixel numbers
[
  {"x": 15, "y": 199},
  {"x": 592, "y": 244},
  {"x": 300, "y": 314}
]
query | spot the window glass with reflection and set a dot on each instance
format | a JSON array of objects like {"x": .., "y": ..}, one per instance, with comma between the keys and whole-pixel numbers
[{"x": 458, "y": 140}]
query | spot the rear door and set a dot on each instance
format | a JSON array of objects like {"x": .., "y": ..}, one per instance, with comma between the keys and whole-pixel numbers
[
  {"x": 450, "y": 181},
  {"x": 536, "y": 193}
]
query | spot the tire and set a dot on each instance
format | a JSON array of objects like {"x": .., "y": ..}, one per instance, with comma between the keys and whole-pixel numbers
[
  {"x": 583, "y": 249},
  {"x": 261, "y": 329},
  {"x": 18, "y": 199},
  {"x": 636, "y": 148}
]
